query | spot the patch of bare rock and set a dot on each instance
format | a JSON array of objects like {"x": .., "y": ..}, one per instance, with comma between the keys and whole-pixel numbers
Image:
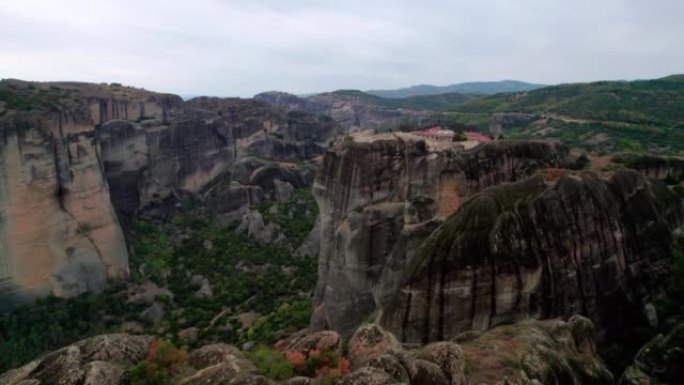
[{"x": 526, "y": 353}]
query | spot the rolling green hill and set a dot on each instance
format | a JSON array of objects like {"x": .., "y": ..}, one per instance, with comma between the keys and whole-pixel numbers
[
  {"x": 657, "y": 102},
  {"x": 605, "y": 117},
  {"x": 479, "y": 88}
]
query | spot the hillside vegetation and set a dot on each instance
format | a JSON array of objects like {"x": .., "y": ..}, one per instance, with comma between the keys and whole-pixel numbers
[
  {"x": 607, "y": 116},
  {"x": 188, "y": 274},
  {"x": 659, "y": 102},
  {"x": 479, "y": 88}
]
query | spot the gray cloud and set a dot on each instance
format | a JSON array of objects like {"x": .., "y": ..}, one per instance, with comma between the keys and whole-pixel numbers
[{"x": 241, "y": 47}]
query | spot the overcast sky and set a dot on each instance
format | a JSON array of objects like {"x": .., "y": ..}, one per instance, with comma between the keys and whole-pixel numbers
[{"x": 242, "y": 47}]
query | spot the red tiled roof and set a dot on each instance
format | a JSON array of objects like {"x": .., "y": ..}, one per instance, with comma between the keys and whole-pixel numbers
[{"x": 476, "y": 136}]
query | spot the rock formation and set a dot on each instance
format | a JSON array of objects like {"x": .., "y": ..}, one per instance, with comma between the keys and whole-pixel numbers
[
  {"x": 659, "y": 361},
  {"x": 381, "y": 196},
  {"x": 527, "y": 353},
  {"x": 73, "y": 155},
  {"x": 540, "y": 249},
  {"x": 101, "y": 360},
  {"x": 353, "y": 112},
  {"x": 229, "y": 153},
  {"x": 58, "y": 229}
]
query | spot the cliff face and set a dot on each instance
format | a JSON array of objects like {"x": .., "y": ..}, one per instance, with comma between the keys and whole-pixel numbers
[
  {"x": 229, "y": 153},
  {"x": 73, "y": 155},
  {"x": 380, "y": 197},
  {"x": 352, "y": 112},
  {"x": 539, "y": 249},
  {"x": 58, "y": 229}
]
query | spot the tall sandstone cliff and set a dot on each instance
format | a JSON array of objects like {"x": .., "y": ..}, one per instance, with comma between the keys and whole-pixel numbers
[
  {"x": 74, "y": 155},
  {"x": 381, "y": 196},
  {"x": 58, "y": 229},
  {"x": 540, "y": 249},
  {"x": 431, "y": 240}
]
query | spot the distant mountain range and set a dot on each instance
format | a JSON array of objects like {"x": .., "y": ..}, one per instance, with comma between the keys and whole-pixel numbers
[{"x": 480, "y": 88}]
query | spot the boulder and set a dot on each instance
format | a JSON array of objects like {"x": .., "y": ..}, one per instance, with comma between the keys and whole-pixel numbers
[
  {"x": 545, "y": 351},
  {"x": 393, "y": 366},
  {"x": 633, "y": 376},
  {"x": 214, "y": 354},
  {"x": 323, "y": 340},
  {"x": 449, "y": 357},
  {"x": 368, "y": 342},
  {"x": 661, "y": 358},
  {"x": 101, "y": 360},
  {"x": 189, "y": 335},
  {"x": 155, "y": 313},
  {"x": 428, "y": 373},
  {"x": 205, "y": 291},
  {"x": 366, "y": 376},
  {"x": 253, "y": 225},
  {"x": 284, "y": 191}
]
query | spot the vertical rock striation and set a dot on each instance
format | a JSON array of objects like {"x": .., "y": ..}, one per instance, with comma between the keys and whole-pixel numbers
[
  {"x": 73, "y": 155},
  {"x": 58, "y": 230},
  {"x": 540, "y": 249},
  {"x": 381, "y": 196}
]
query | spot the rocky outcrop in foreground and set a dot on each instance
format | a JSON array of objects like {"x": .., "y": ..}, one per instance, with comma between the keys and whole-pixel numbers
[
  {"x": 528, "y": 353},
  {"x": 381, "y": 196},
  {"x": 102, "y": 360},
  {"x": 659, "y": 361}
]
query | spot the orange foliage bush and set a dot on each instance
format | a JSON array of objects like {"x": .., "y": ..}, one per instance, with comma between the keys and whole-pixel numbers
[
  {"x": 165, "y": 355},
  {"x": 297, "y": 359},
  {"x": 317, "y": 363}
]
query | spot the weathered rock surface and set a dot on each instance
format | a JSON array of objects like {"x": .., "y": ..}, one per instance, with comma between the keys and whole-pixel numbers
[
  {"x": 58, "y": 230},
  {"x": 367, "y": 376},
  {"x": 311, "y": 244},
  {"x": 253, "y": 224},
  {"x": 101, "y": 360},
  {"x": 353, "y": 112},
  {"x": 380, "y": 197},
  {"x": 322, "y": 341},
  {"x": 370, "y": 341},
  {"x": 668, "y": 168},
  {"x": 394, "y": 366},
  {"x": 526, "y": 353},
  {"x": 659, "y": 361},
  {"x": 77, "y": 154},
  {"x": 449, "y": 357},
  {"x": 550, "y": 352},
  {"x": 539, "y": 249}
]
